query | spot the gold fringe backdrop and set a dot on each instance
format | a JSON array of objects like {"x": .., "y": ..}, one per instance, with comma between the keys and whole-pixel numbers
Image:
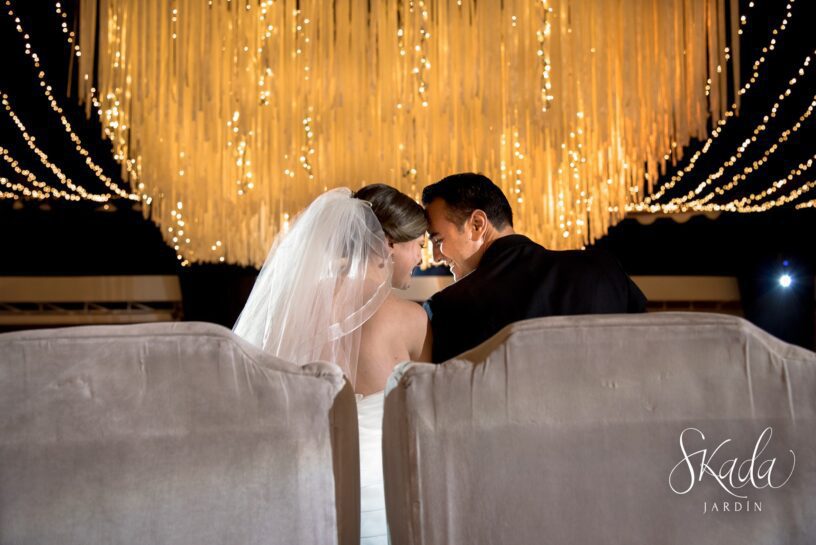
[{"x": 229, "y": 117}]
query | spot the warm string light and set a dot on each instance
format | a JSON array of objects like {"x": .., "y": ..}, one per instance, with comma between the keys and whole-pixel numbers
[
  {"x": 70, "y": 35},
  {"x": 519, "y": 158},
  {"x": 770, "y": 47},
  {"x": 43, "y": 157},
  {"x": 404, "y": 111},
  {"x": 350, "y": 93},
  {"x": 543, "y": 36},
  {"x": 613, "y": 196},
  {"x": 43, "y": 190},
  {"x": 701, "y": 204},
  {"x": 726, "y": 51},
  {"x": 579, "y": 161},
  {"x": 18, "y": 189},
  {"x": 573, "y": 171},
  {"x": 178, "y": 233},
  {"x": 238, "y": 144},
  {"x": 718, "y": 190},
  {"x": 307, "y": 149},
  {"x": 755, "y": 165},
  {"x": 267, "y": 30},
  {"x": 174, "y": 21},
  {"x": 646, "y": 205},
  {"x": 680, "y": 202},
  {"x": 423, "y": 64},
  {"x": 675, "y": 152},
  {"x": 743, "y": 205},
  {"x": 110, "y": 115},
  {"x": 781, "y": 201},
  {"x": 131, "y": 165},
  {"x": 512, "y": 170},
  {"x": 744, "y": 18},
  {"x": 46, "y": 89},
  {"x": 771, "y": 189}
]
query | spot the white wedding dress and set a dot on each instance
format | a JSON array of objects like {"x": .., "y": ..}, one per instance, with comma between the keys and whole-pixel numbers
[
  {"x": 373, "y": 525},
  {"x": 322, "y": 280}
]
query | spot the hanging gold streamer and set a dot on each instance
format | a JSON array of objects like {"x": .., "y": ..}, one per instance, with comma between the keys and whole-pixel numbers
[{"x": 230, "y": 116}]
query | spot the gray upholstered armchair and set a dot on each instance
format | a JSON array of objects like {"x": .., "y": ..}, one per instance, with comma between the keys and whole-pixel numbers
[
  {"x": 567, "y": 430},
  {"x": 171, "y": 433}
]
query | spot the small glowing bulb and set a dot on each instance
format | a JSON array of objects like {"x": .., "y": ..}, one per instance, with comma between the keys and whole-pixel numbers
[{"x": 785, "y": 280}]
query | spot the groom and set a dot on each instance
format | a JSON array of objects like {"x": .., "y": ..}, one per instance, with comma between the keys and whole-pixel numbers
[{"x": 502, "y": 277}]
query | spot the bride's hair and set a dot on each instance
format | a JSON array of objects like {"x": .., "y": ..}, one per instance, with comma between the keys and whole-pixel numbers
[{"x": 402, "y": 219}]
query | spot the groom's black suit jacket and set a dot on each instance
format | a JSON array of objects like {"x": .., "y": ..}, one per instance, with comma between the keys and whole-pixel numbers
[{"x": 517, "y": 279}]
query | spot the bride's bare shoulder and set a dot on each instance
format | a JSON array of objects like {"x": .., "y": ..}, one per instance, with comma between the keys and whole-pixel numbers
[
  {"x": 404, "y": 322},
  {"x": 401, "y": 313}
]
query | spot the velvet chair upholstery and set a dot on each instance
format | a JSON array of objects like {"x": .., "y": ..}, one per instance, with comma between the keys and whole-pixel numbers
[
  {"x": 567, "y": 430},
  {"x": 176, "y": 433}
]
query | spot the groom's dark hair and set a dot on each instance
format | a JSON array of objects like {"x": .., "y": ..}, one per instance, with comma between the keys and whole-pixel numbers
[{"x": 466, "y": 192}]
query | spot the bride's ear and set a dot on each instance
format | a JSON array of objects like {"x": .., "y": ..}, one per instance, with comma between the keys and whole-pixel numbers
[
  {"x": 390, "y": 249},
  {"x": 388, "y": 257}
]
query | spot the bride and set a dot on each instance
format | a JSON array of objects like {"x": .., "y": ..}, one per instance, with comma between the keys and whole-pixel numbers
[{"x": 325, "y": 294}]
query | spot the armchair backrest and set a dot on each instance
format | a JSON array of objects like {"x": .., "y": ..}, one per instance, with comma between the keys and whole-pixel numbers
[
  {"x": 171, "y": 433},
  {"x": 568, "y": 430}
]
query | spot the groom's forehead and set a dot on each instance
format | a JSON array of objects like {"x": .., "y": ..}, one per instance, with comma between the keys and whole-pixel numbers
[
  {"x": 440, "y": 213},
  {"x": 433, "y": 224},
  {"x": 436, "y": 210}
]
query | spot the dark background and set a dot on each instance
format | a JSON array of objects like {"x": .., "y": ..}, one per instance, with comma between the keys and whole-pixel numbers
[{"x": 58, "y": 238}]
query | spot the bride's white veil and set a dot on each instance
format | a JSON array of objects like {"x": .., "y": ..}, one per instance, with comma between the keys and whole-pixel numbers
[{"x": 321, "y": 281}]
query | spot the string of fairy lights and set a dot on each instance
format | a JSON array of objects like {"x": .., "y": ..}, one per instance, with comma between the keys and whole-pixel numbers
[
  {"x": 40, "y": 190},
  {"x": 43, "y": 157},
  {"x": 543, "y": 36},
  {"x": 339, "y": 112},
  {"x": 646, "y": 205},
  {"x": 46, "y": 90},
  {"x": 703, "y": 196},
  {"x": 683, "y": 202},
  {"x": 756, "y": 164},
  {"x": 699, "y": 198}
]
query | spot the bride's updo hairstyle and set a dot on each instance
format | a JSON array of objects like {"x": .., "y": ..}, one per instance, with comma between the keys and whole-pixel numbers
[{"x": 402, "y": 219}]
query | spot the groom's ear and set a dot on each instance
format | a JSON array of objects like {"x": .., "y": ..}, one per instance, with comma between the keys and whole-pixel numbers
[{"x": 478, "y": 224}]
